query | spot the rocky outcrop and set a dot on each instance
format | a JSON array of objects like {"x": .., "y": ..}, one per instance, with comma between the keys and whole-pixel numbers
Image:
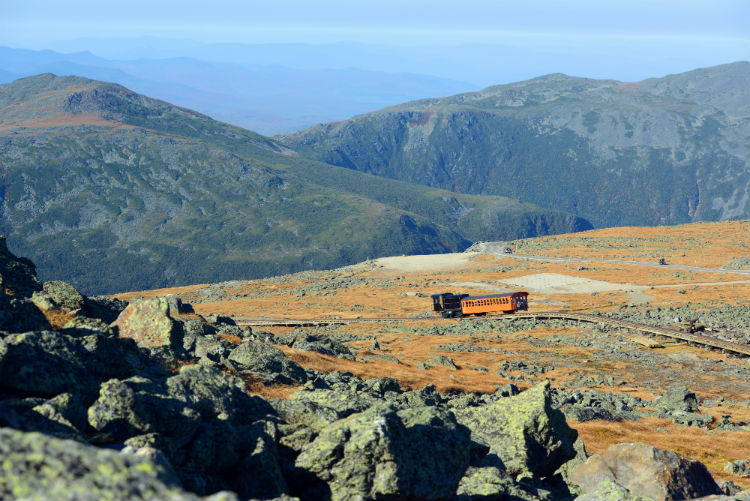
[
  {"x": 647, "y": 471},
  {"x": 37, "y": 466},
  {"x": 383, "y": 452},
  {"x": 525, "y": 432}
]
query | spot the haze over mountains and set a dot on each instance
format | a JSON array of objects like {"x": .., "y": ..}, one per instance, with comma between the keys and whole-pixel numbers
[
  {"x": 661, "y": 151},
  {"x": 253, "y": 91},
  {"x": 114, "y": 191}
]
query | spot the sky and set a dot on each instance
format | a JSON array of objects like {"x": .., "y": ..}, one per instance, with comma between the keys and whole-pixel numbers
[{"x": 684, "y": 33}]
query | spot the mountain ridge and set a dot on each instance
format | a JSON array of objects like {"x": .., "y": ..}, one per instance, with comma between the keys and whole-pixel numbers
[
  {"x": 578, "y": 135},
  {"x": 100, "y": 181}
]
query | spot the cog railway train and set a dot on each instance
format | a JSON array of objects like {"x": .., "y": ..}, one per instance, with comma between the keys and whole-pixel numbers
[{"x": 460, "y": 305}]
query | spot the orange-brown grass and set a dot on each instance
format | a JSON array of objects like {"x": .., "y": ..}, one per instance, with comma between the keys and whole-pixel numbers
[
  {"x": 709, "y": 245},
  {"x": 408, "y": 376},
  {"x": 58, "y": 318},
  {"x": 712, "y": 448}
]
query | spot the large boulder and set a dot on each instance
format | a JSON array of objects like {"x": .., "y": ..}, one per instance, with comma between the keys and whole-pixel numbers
[
  {"x": 524, "y": 431},
  {"x": 36, "y": 466},
  {"x": 203, "y": 420},
  {"x": 149, "y": 323},
  {"x": 266, "y": 362},
  {"x": 385, "y": 453},
  {"x": 645, "y": 470},
  {"x": 59, "y": 295},
  {"x": 49, "y": 363},
  {"x": 17, "y": 274}
]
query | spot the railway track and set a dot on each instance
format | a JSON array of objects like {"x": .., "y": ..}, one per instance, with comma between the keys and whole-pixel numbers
[{"x": 689, "y": 338}]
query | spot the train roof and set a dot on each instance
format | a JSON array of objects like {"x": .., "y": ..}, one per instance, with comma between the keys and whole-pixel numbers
[{"x": 470, "y": 298}]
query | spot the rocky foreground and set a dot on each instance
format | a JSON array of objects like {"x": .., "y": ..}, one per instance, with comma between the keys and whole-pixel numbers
[{"x": 101, "y": 399}]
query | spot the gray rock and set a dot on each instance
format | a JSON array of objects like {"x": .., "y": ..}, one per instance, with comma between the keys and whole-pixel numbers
[
  {"x": 59, "y": 295},
  {"x": 524, "y": 431},
  {"x": 322, "y": 345},
  {"x": 490, "y": 483},
  {"x": 149, "y": 324},
  {"x": 678, "y": 398},
  {"x": 84, "y": 326},
  {"x": 49, "y": 363},
  {"x": 741, "y": 468},
  {"x": 418, "y": 453},
  {"x": 646, "y": 471},
  {"x": 17, "y": 274},
  {"x": 438, "y": 360},
  {"x": 18, "y": 314},
  {"x": 609, "y": 490},
  {"x": 267, "y": 362},
  {"x": 36, "y": 466}
]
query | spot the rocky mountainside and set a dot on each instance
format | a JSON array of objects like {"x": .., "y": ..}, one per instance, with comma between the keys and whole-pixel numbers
[
  {"x": 157, "y": 405},
  {"x": 660, "y": 151},
  {"x": 115, "y": 191}
]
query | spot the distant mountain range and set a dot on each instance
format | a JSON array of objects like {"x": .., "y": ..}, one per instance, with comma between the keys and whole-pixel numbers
[
  {"x": 115, "y": 191},
  {"x": 661, "y": 151},
  {"x": 264, "y": 97}
]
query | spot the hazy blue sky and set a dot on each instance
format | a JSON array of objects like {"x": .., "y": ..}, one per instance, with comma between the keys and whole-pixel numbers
[
  {"x": 385, "y": 21},
  {"x": 675, "y": 35}
]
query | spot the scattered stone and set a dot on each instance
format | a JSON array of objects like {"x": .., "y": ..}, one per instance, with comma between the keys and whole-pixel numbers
[
  {"x": 438, "y": 360},
  {"x": 678, "y": 398},
  {"x": 267, "y": 362},
  {"x": 647, "y": 471},
  {"x": 741, "y": 468}
]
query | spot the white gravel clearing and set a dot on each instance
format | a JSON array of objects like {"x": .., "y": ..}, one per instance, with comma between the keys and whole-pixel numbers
[
  {"x": 550, "y": 283},
  {"x": 426, "y": 262}
]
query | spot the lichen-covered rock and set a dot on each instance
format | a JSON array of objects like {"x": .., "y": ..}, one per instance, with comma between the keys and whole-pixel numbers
[
  {"x": 192, "y": 332},
  {"x": 418, "y": 453},
  {"x": 267, "y": 362},
  {"x": 438, "y": 360},
  {"x": 203, "y": 421},
  {"x": 677, "y": 399},
  {"x": 215, "y": 394},
  {"x": 647, "y": 471},
  {"x": 149, "y": 323},
  {"x": 490, "y": 483},
  {"x": 105, "y": 308},
  {"x": 18, "y": 314},
  {"x": 741, "y": 468},
  {"x": 608, "y": 490},
  {"x": 43, "y": 363},
  {"x": 83, "y": 326},
  {"x": 36, "y": 466},
  {"x": 59, "y": 295},
  {"x": 324, "y": 345},
  {"x": 524, "y": 431},
  {"x": 17, "y": 274}
]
